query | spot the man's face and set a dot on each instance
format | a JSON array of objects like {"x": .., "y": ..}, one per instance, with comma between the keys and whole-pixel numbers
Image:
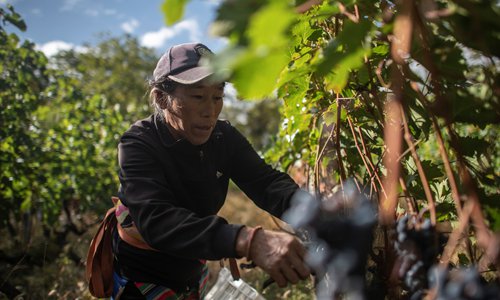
[{"x": 195, "y": 110}]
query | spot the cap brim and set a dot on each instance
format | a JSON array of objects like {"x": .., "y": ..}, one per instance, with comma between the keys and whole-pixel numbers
[{"x": 192, "y": 75}]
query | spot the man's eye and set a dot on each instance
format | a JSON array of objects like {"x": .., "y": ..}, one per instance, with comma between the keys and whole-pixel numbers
[
  {"x": 197, "y": 96},
  {"x": 218, "y": 98}
]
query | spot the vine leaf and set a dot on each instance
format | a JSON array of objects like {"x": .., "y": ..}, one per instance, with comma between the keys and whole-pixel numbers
[
  {"x": 431, "y": 170},
  {"x": 173, "y": 10},
  {"x": 344, "y": 54},
  {"x": 258, "y": 67}
]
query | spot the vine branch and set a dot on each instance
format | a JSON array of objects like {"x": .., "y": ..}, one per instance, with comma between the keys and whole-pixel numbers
[
  {"x": 484, "y": 237},
  {"x": 369, "y": 159},
  {"x": 337, "y": 144},
  {"x": 428, "y": 194},
  {"x": 400, "y": 47},
  {"x": 444, "y": 154},
  {"x": 361, "y": 154},
  {"x": 413, "y": 208}
]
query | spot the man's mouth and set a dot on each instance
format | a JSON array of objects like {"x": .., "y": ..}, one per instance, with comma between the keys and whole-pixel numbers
[{"x": 205, "y": 128}]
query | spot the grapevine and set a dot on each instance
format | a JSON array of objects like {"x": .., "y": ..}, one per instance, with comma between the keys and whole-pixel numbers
[
  {"x": 338, "y": 232},
  {"x": 462, "y": 284},
  {"x": 417, "y": 246}
]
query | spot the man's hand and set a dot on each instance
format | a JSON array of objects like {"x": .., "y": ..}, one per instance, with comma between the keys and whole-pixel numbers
[{"x": 277, "y": 253}]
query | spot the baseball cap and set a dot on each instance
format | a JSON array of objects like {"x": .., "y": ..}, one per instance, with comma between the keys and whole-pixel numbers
[{"x": 184, "y": 63}]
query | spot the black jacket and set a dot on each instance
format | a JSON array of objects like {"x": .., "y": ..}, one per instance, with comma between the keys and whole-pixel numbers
[{"x": 174, "y": 191}]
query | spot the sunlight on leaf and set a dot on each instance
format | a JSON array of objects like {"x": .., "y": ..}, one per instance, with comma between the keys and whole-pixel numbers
[
  {"x": 344, "y": 55},
  {"x": 257, "y": 69},
  {"x": 173, "y": 10}
]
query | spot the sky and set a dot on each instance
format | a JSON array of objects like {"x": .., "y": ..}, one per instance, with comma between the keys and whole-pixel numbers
[{"x": 64, "y": 24}]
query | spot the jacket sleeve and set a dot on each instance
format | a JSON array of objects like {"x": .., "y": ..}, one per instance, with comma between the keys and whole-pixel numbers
[
  {"x": 162, "y": 222},
  {"x": 267, "y": 187}
]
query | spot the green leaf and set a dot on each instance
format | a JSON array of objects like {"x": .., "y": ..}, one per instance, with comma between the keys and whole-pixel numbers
[
  {"x": 268, "y": 26},
  {"x": 431, "y": 170},
  {"x": 344, "y": 54},
  {"x": 326, "y": 10},
  {"x": 463, "y": 260},
  {"x": 256, "y": 75},
  {"x": 352, "y": 38},
  {"x": 14, "y": 18},
  {"x": 491, "y": 205},
  {"x": 233, "y": 18},
  {"x": 476, "y": 25},
  {"x": 472, "y": 146},
  {"x": 258, "y": 67},
  {"x": 302, "y": 30},
  {"x": 294, "y": 92},
  {"x": 337, "y": 79},
  {"x": 493, "y": 217},
  {"x": 381, "y": 50},
  {"x": 445, "y": 211},
  {"x": 330, "y": 116},
  {"x": 173, "y": 10},
  {"x": 473, "y": 113},
  {"x": 26, "y": 205}
]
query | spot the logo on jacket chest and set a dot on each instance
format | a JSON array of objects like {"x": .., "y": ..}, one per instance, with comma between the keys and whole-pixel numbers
[{"x": 218, "y": 174}]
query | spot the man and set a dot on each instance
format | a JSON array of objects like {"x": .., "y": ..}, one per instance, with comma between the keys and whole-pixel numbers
[{"x": 175, "y": 168}]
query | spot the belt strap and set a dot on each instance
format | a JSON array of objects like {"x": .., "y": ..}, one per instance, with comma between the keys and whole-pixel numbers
[
  {"x": 99, "y": 268},
  {"x": 132, "y": 236},
  {"x": 233, "y": 267}
]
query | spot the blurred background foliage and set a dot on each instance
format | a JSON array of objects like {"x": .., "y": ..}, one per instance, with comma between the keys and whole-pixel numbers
[{"x": 321, "y": 71}]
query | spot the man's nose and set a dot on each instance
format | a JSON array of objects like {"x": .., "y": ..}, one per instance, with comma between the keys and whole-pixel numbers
[{"x": 209, "y": 108}]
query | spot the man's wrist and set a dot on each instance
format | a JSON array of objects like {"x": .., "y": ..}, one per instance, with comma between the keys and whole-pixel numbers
[
  {"x": 241, "y": 241},
  {"x": 250, "y": 237}
]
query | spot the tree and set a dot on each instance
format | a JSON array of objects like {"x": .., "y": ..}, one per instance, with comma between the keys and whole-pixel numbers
[
  {"x": 24, "y": 78},
  {"x": 57, "y": 156},
  {"x": 48, "y": 122},
  {"x": 118, "y": 68}
]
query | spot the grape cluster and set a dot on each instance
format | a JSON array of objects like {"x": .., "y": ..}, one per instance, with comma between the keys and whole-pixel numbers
[
  {"x": 461, "y": 284},
  {"x": 338, "y": 241},
  {"x": 417, "y": 247}
]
